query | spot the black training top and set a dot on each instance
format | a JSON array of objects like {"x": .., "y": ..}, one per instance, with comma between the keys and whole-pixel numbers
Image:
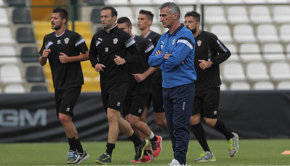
[
  {"x": 152, "y": 36},
  {"x": 210, "y": 48},
  {"x": 65, "y": 75},
  {"x": 144, "y": 50},
  {"x": 105, "y": 46},
  {"x": 140, "y": 65}
]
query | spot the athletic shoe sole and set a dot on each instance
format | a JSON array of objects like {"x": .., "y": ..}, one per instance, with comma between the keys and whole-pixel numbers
[{"x": 83, "y": 159}]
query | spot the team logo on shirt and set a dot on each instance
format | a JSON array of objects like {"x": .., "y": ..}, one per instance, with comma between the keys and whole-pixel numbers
[
  {"x": 199, "y": 43},
  {"x": 66, "y": 40},
  {"x": 173, "y": 41},
  {"x": 58, "y": 42},
  {"x": 67, "y": 109},
  {"x": 106, "y": 49},
  {"x": 115, "y": 40}
]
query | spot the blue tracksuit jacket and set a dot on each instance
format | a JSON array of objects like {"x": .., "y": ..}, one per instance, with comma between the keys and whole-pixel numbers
[{"x": 178, "y": 69}]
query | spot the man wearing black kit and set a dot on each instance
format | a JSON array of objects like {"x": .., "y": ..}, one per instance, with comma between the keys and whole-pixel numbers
[
  {"x": 65, "y": 49},
  {"x": 109, "y": 56},
  {"x": 145, "y": 19},
  {"x": 135, "y": 100},
  {"x": 209, "y": 53}
]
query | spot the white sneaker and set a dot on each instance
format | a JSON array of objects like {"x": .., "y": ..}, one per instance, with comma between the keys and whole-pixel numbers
[
  {"x": 205, "y": 157},
  {"x": 174, "y": 162},
  {"x": 234, "y": 145}
]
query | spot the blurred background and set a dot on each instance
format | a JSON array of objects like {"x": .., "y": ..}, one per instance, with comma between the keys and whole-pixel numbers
[{"x": 256, "y": 31}]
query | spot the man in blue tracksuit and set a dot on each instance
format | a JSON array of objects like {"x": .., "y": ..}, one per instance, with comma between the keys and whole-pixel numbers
[{"x": 174, "y": 54}]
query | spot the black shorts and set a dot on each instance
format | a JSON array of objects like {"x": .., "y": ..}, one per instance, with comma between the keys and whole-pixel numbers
[
  {"x": 135, "y": 105},
  {"x": 66, "y": 99},
  {"x": 156, "y": 97},
  {"x": 113, "y": 94},
  {"x": 206, "y": 102}
]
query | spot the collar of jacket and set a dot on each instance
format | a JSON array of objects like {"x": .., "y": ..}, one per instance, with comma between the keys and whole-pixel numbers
[{"x": 176, "y": 30}]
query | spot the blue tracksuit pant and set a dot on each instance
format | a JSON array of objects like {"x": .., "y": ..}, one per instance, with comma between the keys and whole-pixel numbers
[{"x": 178, "y": 104}]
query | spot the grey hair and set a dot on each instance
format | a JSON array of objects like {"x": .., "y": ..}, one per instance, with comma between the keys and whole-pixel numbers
[{"x": 173, "y": 8}]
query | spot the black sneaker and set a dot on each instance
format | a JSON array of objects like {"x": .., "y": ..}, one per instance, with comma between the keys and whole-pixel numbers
[
  {"x": 82, "y": 157},
  {"x": 140, "y": 149},
  {"x": 104, "y": 159}
]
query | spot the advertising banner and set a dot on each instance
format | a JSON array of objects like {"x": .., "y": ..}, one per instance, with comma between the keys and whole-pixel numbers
[{"x": 32, "y": 117}]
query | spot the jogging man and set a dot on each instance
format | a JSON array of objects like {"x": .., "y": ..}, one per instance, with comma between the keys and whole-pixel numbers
[
  {"x": 134, "y": 103},
  {"x": 145, "y": 19},
  {"x": 111, "y": 50},
  {"x": 65, "y": 49},
  {"x": 209, "y": 53},
  {"x": 174, "y": 54}
]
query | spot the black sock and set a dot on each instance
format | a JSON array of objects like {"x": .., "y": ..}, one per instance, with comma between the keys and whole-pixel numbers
[
  {"x": 200, "y": 136},
  {"x": 149, "y": 151},
  {"x": 135, "y": 139},
  {"x": 72, "y": 144},
  {"x": 79, "y": 146},
  {"x": 110, "y": 148},
  {"x": 154, "y": 138},
  {"x": 222, "y": 128}
]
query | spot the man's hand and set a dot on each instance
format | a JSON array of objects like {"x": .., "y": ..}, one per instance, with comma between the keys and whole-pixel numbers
[
  {"x": 203, "y": 64},
  {"x": 45, "y": 53},
  {"x": 119, "y": 61},
  {"x": 166, "y": 56},
  {"x": 139, "y": 77},
  {"x": 158, "y": 52},
  {"x": 99, "y": 67},
  {"x": 63, "y": 58}
]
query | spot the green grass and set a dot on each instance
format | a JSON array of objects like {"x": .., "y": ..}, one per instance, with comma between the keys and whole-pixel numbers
[{"x": 252, "y": 152}]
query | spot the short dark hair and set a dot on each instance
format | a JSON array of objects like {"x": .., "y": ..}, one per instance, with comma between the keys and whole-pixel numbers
[
  {"x": 149, "y": 14},
  {"x": 126, "y": 20},
  {"x": 63, "y": 12},
  {"x": 113, "y": 10},
  {"x": 193, "y": 14}
]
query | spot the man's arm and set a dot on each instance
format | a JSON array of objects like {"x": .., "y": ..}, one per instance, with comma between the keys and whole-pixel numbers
[
  {"x": 43, "y": 57},
  {"x": 149, "y": 48},
  {"x": 130, "y": 45},
  {"x": 139, "y": 77},
  {"x": 223, "y": 53},
  {"x": 132, "y": 50},
  {"x": 183, "y": 48},
  {"x": 156, "y": 58},
  {"x": 93, "y": 53},
  {"x": 44, "y": 52},
  {"x": 63, "y": 58},
  {"x": 81, "y": 46}
]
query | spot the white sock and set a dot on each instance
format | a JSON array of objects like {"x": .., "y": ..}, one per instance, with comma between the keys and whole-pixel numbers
[{"x": 151, "y": 136}]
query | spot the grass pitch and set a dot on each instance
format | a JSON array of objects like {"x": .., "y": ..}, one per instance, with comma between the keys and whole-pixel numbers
[{"x": 251, "y": 153}]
